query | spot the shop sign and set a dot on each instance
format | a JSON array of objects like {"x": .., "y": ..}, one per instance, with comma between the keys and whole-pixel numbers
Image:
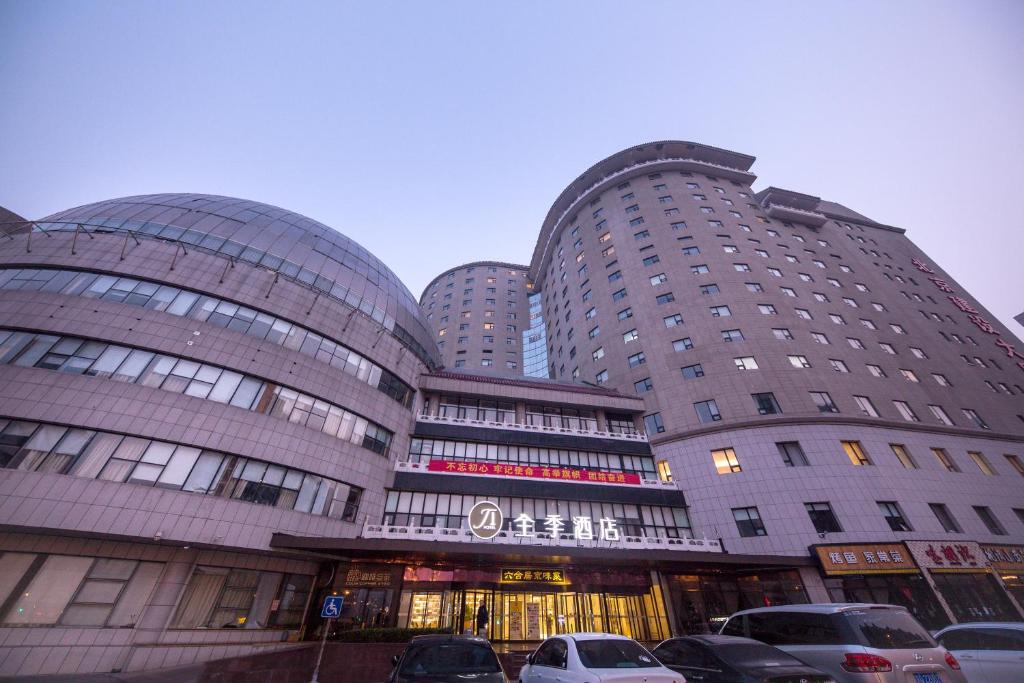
[
  {"x": 530, "y": 575},
  {"x": 873, "y": 558},
  {"x": 1004, "y": 557},
  {"x": 368, "y": 577},
  {"x": 556, "y": 527},
  {"x": 949, "y": 557},
  {"x": 533, "y": 472},
  {"x": 972, "y": 313}
]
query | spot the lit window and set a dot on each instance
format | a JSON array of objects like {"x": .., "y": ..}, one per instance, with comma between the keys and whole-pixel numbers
[
  {"x": 903, "y": 455},
  {"x": 855, "y": 452},
  {"x": 982, "y": 462},
  {"x": 725, "y": 461}
]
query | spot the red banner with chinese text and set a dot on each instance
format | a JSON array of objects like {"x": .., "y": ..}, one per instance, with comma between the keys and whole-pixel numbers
[{"x": 534, "y": 472}]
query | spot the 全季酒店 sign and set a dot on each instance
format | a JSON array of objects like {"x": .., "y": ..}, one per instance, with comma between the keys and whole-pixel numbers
[
  {"x": 870, "y": 558},
  {"x": 533, "y": 472}
]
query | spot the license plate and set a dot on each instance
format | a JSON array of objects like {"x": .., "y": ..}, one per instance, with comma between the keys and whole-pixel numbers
[{"x": 927, "y": 678}]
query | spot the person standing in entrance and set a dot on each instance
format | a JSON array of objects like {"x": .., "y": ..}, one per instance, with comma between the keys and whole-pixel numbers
[{"x": 481, "y": 620}]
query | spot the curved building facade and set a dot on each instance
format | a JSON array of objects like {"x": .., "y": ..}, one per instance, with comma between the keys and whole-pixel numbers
[
  {"x": 184, "y": 376},
  {"x": 478, "y": 313}
]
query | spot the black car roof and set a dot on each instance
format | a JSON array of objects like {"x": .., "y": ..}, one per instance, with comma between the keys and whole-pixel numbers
[
  {"x": 436, "y": 638},
  {"x": 716, "y": 639}
]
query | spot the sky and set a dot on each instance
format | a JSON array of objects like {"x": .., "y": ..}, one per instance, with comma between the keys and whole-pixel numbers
[{"x": 437, "y": 133}]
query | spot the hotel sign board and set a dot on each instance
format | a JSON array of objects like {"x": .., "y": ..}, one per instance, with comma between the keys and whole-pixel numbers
[
  {"x": 569, "y": 474},
  {"x": 865, "y": 558}
]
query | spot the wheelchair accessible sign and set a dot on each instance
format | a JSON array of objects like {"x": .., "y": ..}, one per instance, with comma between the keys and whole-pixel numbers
[{"x": 332, "y": 606}]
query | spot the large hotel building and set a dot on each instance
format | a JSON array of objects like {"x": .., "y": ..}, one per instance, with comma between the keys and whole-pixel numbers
[{"x": 695, "y": 398}]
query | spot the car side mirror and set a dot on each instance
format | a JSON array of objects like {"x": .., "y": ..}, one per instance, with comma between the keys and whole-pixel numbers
[
  {"x": 529, "y": 658},
  {"x": 394, "y": 660}
]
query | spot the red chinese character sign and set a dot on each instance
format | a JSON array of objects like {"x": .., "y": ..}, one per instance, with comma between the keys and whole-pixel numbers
[
  {"x": 943, "y": 556},
  {"x": 973, "y": 315},
  {"x": 533, "y": 472}
]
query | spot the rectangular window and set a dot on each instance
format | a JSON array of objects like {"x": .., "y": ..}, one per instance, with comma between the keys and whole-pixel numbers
[
  {"x": 906, "y": 412},
  {"x": 725, "y": 461},
  {"x": 692, "y": 371},
  {"x": 1015, "y": 463},
  {"x": 865, "y": 405},
  {"x": 707, "y": 411},
  {"x": 643, "y": 386},
  {"x": 894, "y": 515},
  {"x": 658, "y": 279},
  {"x": 799, "y": 361},
  {"x": 745, "y": 363},
  {"x": 709, "y": 289},
  {"x": 732, "y": 335},
  {"x": 855, "y": 452},
  {"x": 665, "y": 299},
  {"x": 720, "y": 311},
  {"x": 944, "y": 458},
  {"x": 940, "y": 415},
  {"x": 637, "y": 359},
  {"x": 782, "y": 334},
  {"x": 672, "y": 320},
  {"x": 630, "y": 336},
  {"x": 822, "y": 517},
  {"x": 748, "y": 522},
  {"x": 989, "y": 520},
  {"x": 792, "y": 454},
  {"x": 975, "y": 419},
  {"x": 766, "y": 404},
  {"x": 824, "y": 402},
  {"x": 903, "y": 455},
  {"x": 945, "y": 517},
  {"x": 982, "y": 462}
]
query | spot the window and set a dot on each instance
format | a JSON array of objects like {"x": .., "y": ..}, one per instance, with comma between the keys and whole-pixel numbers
[
  {"x": 684, "y": 344},
  {"x": 654, "y": 425},
  {"x": 868, "y": 324},
  {"x": 664, "y": 299},
  {"x": 903, "y": 455},
  {"x": 782, "y": 334},
  {"x": 617, "y": 275},
  {"x": 709, "y": 289},
  {"x": 598, "y": 353},
  {"x": 699, "y": 269},
  {"x": 601, "y": 377},
  {"x": 819, "y": 338},
  {"x": 852, "y": 303},
  {"x": 775, "y": 272},
  {"x": 989, "y": 520},
  {"x": 945, "y": 459},
  {"x": 767, "y": 309},
  {"x": 946, "y": 519},
  {"x": 691, "y": 251},
  {"x": 720, "y": 311},
  {"x": 725, "y": 461},
  {"x": 741, "y": 267},
  {"x": 619, "y": 295},
  {"x": 672, "y": 320},
  {"x": 625, "y": 313},
  {"x": 865, "y": 405},
  {"x": 651, "y": 260},
  {"x": 637, "y": 359},
  {"x": 658, "y": 279},
  {"x": 799, "y": 361},
  {"x": 755, "y": 287},
  {"x": 876, "y": 370},
  {"x": 824, "y": 402},
  {"x": 941, "y": 380},
  {"x": 894, "y": 515},
  {"x": 855, "y": 452},
  {"x": 730, "y": 249},
  {"x": 838, "y": 365},
  {"x": 630, "y": 336},
  {"x": 745, "y": 363},
  {"x": 822, "y": 517},
  {"x": 1015, "y": 463},
  {"x": 940, "y": 415},
  {"x": 748, "y": 522},
  {"x": 792, "y": 454},
  {"x": 707, "y": 411},
  {"x": 594, "y": 331},
  {"x": 766, "y": 404},
  {"x": 888, "y": 348},
  {"x": 975, "y": 418},
  {"x": 982, "y": 462},
  {"x": 906, "y": 412},
  {"x": 802, "y": 313},
  {"x": 692, "y": 371},
  {"x": 837, "y": 319},
  {"x": 643, "y": 386},
  {"x": 732, "y": 336},
  {"x": 909, "y": 375}
]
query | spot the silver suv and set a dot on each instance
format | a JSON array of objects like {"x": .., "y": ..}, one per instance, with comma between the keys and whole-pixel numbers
[{"x": 854, "y": 642}]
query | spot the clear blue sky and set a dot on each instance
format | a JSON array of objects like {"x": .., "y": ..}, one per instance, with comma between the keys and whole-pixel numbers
[{"x": 414, "y": 126}]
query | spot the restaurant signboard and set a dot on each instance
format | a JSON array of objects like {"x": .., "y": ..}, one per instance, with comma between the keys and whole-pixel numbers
[{"x": 865, "y": 558}]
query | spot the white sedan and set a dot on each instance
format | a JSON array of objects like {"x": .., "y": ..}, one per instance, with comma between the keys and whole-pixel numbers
[
  {"x": 594, "y": 658},
  {"x": 989, "y": 652}
]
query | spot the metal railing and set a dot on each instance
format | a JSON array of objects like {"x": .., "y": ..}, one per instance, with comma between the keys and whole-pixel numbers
[
  {"x": 466, "y": 422},
  {"x": 420, "y": 533}
]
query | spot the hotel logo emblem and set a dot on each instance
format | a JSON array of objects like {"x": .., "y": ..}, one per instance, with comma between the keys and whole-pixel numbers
[{"x": 485, "y": 520}]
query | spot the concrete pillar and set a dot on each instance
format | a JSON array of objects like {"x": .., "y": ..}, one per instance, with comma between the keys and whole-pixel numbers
[
  {"x": 814, "y": 585},
  {"x": 602, "y": 422},
  {"x": 520, "y": 412}
]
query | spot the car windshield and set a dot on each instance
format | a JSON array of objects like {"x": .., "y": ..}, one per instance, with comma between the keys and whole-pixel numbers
[
  {"x": 449, "y": 658},
  {"x": 743, "y": 654},
  {"x": 889, "y": 629},
  {"x": 614, "y": 654}
]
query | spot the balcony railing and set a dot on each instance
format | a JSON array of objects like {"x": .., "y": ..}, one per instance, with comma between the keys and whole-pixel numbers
[
  {"x": 625, "y": 543},
  {"x": 423, "y": 468},
  {"x": 515, "y": 426}
]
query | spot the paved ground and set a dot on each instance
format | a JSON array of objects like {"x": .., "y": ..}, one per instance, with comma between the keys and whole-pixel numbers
[{"x": 179, "y": 674}]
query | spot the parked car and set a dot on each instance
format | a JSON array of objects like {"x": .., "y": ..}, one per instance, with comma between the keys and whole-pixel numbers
[
  {"x": 445, "y": 658},
  {"x": 852, "y": 642},
  {"x": 594, "y": 658},
  {"x": 732, "y": 659},
  {"x": 990, "y": 652}
]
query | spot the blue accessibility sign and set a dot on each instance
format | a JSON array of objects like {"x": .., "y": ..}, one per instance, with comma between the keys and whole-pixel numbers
[{"x": 332, "y": 606}]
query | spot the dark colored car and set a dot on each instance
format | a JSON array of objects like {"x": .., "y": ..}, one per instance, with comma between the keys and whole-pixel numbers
[
  {"x": 446, "y": 658},
  {"x": 731, "y": 659}
]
